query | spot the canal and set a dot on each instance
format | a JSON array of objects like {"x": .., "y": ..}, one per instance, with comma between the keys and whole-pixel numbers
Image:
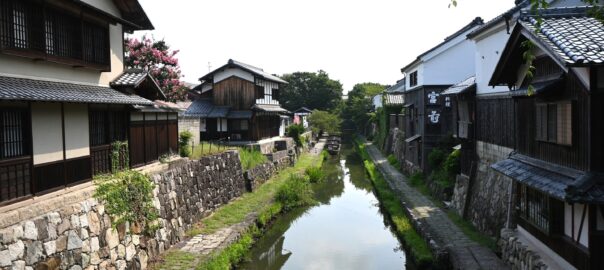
[{"x": 345, "y": 231}]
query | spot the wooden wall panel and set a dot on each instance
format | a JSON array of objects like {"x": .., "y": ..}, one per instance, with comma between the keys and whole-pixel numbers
[
  {"x": 235, "y": 92},
  {"x": 495, "y": 121}
]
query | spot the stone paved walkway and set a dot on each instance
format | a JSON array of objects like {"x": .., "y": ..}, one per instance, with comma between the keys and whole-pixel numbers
[{"x": 463, "y": 252}]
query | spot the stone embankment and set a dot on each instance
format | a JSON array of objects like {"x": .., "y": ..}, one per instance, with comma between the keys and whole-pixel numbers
[
  {"x": 73, "y": 231},
  {"x": 444, "y": 237}
]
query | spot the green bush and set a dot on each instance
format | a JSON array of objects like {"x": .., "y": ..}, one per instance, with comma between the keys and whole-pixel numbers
[
  {"x": 183, "y": 143},
  {"x": 251, "y": 158},
  {"x": 451, "y": 165},
  {"x": 394, "y": 162},
  {"x": 294, "y": 131},
  {"x": 436, "y": 157},
  {"x": 416, "y": 179},
  {"x": 233, "y": 254},
  {"x": 315, "y": 174},
  {"x": 128, "y": 197},
  {"x": 295, "y": 192}
]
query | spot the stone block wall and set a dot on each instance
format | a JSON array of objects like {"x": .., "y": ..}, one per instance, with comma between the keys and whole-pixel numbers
[
  {"x": 191, "y": 125},
  {"x": 489, "y": 192},
  {"x": 517, "y": 254},
  {"x": 258, "y": 175},
  {"x": 74, "y": 231}
]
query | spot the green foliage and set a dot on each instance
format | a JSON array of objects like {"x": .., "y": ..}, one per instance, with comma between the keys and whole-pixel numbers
[
  {"x": 251, "y": 158},
  {"x": 294, "y": 131},
  {"x": 183, "y": 143},
  {"x": 358, "y": 106},
  {"x": 311, "y": 89},
  {"x": 436, "y": 157},
  {"x": 314, "y": 174},
  {"x": 206, "y": 149},
  {"x": 268, "y": 214},
  {"x": 404, "y": 230},
  {"x": 468, "y": 229},
  {"x": 233, "y": 254},
  {"x": 451, "y": 164},
  {"x": 296, "y": 192},
  {"x": 119, "y": 152},
  {"x": 325, "y": 121},
  {"x": 394, "y": 162},
  {"x": 416, "y": 179},
  {"x": 382, "y": 132},
  {"x": 128, "y": 197}
]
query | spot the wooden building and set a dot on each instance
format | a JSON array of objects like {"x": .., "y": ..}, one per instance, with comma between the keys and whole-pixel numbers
[
  {"x": 238, "y": 102},
  {"x": 58, "y": 113},
  {"x": 427, "y": 112},
  {"x": 557, "y": 115}
]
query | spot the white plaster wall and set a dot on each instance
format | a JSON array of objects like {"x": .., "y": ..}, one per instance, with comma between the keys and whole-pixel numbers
[
  {"x": 450, "y": 66},
  {"x": 104, "y": 5},
  {"x": 47, "y": 132},
  {"x": 225, "y": 74},
  {"x": 77, "y": 141},
  {"x": 488, "y": 51},
  {"x": 42, "y": 70},
  {"x": 568, "y": 229},
  {"x": 420, "y": 77}
]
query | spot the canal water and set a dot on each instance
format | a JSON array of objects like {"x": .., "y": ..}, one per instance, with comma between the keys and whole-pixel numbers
[{"x": 346, "y": 231}]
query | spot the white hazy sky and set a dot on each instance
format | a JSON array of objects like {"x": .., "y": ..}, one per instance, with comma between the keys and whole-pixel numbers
[{"x": 353, "y": 40}]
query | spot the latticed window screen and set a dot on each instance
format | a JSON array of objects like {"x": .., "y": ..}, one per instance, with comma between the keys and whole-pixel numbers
[
  {"x": 533, "y": 207},
  {"x": 107, "y": 127},
  {"x": 13, "y": 133},
  {"x": 553, "y": 123},
  {"x": 31, "y": 26}
]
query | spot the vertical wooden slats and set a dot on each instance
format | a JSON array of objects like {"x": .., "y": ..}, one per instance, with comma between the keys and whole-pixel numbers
[{"x": 33, "y": 26}]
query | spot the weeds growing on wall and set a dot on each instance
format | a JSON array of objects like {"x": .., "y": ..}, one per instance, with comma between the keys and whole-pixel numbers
[
  {"x": 394, "y": 162},
  {"x": 128, "y": 198},
  {"x": 120, "y": 158},
  {"x": 251, "y": 158}
]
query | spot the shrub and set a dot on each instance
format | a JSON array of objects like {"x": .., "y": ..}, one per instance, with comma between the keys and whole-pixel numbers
[
  {"x": 128, "y": 197},
  {"x": 436, "y": 157},
  {"x": 295, "y": 192},
  {"x": 451, "y": 164},
  {"x": 183, "y": 143},
  {"x": 294, "y": 131},
  {"x": 251, "y": 158},
  {"x": 416, "y": 179},
  {"x": 315, "y": 174},
  {"x": 393, "y": 161}
]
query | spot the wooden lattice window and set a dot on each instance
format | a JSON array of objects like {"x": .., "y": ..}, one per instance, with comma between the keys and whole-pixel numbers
[
  {"x": 31, "y": 27},
  {"x": 533, "y": 207},
  {"x": 413, "y": 79},
  {"x": 553, "y": 122},
  {"x": 107, "y": 127},
  {"x": 13, "y": 133}
]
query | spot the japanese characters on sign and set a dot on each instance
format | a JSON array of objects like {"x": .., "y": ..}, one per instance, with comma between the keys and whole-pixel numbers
[
  {"x": 447, "y": 101},
  {"x": 434, "y": 117},
  {"x": 433, "y": 97}
]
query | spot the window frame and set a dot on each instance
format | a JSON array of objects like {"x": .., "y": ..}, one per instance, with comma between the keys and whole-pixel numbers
[
  {"x": 539, "y": 213},
  {"x": 413, "y": 79},
  {"x": 557, "y": 131},
  {"x": 24, "y": 133}
]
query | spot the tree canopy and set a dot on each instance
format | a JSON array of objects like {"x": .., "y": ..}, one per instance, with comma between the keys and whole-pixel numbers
[
  {"x": 314, "y": 90},
  {"x": 357, "y": 109},
  {"x": 156, "y": 57},
  {"x": 324, "y": 121}
]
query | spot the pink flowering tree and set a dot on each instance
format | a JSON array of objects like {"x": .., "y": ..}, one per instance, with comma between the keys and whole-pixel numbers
[{"x": 156, "y": 57}]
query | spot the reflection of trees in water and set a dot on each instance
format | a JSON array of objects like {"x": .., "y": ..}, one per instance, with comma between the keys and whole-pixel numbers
[
  {"x": 333, "y": 186},
  {"x": 268, "y": 252},
  {"x": 356, "y": 169}
]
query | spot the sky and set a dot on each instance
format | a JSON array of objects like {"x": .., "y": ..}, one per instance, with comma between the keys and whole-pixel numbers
[{"x": 354, "y": 41}]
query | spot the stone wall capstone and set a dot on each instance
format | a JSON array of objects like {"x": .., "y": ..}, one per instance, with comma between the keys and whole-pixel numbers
[{"x": 79, "y": 235}]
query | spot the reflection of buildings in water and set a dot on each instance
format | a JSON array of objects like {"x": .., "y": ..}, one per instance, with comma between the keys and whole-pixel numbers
[{"x": 275, "y": 257}]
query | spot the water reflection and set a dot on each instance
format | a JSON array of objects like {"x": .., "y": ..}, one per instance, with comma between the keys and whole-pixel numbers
[{"x": 347, "y": 231}]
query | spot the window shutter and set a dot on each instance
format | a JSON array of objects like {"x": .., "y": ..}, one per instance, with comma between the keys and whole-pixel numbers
[
  {"x": 564, "y": 124},
  {"x": 541, "y": 122},
  {"x": 552, "y": 129}
]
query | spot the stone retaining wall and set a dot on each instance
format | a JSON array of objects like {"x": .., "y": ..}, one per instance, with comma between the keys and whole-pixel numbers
[
  {"x": 489, "y": 191},
  {"x": 258, "y": 175},
  {"x": 78, "y": 235},
  {"x": 517, "y": 254}
]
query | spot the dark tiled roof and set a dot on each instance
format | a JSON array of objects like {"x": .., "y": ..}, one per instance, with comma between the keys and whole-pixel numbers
[
  {"x": 559, "y": 182},
  {"x": 508, "y": 14},
  {"x": 249, "y": 68},
  {"x": 413, "y": 138},
  {"x": 570, "y": 35},
  {"x": 394, "y": 99},
  {"x": 398, "y": 87},
  {"x": 303, "y": 110},
  {"x": 461, "y": 87},
  {"x": 205, "y": 108},
  {"x": 37, "y": 90}
]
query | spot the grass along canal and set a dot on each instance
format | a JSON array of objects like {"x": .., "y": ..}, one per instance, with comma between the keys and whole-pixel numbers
[{"x": 346, "y": 230}]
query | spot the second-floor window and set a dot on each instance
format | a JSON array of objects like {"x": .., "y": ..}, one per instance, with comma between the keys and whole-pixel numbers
[
  {"x": 554, "y": 123},
  {"x": 259, "y": 92},
  {"x": 413, "y": 79},
  {"x": 42, "y": 31}
]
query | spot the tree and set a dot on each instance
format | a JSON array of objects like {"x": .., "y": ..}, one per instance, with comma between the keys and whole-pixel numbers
[
  {"x": 156, "y": 57},
  {"x": 310, "y": 89},
  {"x": 359, "y": 104},
  {"x": 324, "y": 121}
]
